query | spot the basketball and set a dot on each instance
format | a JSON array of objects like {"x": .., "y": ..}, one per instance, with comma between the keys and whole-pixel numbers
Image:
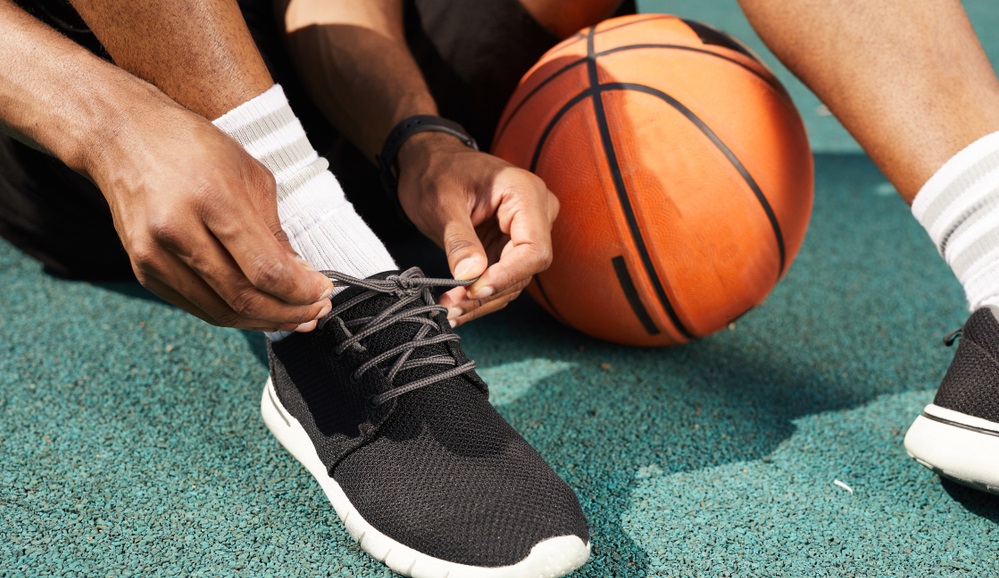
[{"x": 682, "y": 169}]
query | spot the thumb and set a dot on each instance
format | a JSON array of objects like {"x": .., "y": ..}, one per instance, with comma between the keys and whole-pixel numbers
[{"x": 465, "y": 255}]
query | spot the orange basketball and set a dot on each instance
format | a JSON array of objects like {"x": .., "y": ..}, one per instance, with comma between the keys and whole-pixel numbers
[{"x": 683, "y": 171}]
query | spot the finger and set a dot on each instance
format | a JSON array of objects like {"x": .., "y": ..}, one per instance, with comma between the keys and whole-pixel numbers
[
  {"x": 527, "y": 220},
  {"x": 553, "y": 208},
  {"x": 453, "y": 296},
  {"x": 459, "y": 304},
  {"x": 516, "y": 267},
  {"x": 492, "y": 306},
  {"x": 220, "y": 272},
  {"x": 219, "y": 316},
  {"x": 466, "y": 256},
  {"x": 248, "y": 234}
]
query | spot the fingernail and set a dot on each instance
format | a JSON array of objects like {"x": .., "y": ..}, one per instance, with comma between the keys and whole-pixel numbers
[
  {"x": 326, "y": 294},
  {"x": 306, "y": 327},
  {"x": 483, "y": 293},
  {"x": 453, "y": 323},
  {"x": 325, "y": 310},
  {"x": 464, "y": 266},
  {"x": 453, "y": 313}
]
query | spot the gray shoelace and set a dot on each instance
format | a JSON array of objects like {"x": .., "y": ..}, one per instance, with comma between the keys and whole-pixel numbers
[{"x": 409, "y": 286}]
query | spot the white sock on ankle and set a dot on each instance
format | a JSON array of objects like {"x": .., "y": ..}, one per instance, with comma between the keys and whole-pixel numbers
[
  {"x": 321, "y": 224},
  {"x": 959, "y": 208}
]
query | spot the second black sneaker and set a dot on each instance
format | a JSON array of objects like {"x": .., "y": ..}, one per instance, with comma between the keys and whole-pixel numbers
[
  {"x": 958, "y": 434},
  {"x": 382, "y": 407}
]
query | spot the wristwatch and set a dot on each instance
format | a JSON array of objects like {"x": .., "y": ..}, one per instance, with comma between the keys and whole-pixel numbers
[{"x": 388, "y": 170}]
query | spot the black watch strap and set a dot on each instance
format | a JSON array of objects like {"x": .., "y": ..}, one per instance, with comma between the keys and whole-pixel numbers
[{"x": 387, "y": 169}]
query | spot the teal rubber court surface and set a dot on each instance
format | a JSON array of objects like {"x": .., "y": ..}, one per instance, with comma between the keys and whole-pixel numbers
[{"x": 131, "y": 443}]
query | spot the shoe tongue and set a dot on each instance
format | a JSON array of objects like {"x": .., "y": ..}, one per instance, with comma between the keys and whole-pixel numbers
[
  {"x": 395, "y": 334},
  {"x": 983, "y": 328}
]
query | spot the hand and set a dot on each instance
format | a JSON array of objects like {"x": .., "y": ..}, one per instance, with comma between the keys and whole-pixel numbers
[
  {"x": 198, "y": 218},
  {"x": 492, "y": 219}
]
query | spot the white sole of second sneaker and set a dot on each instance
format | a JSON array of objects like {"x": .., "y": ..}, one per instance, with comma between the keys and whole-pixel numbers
[
  {"x": 549, "y": 559},
  {"x": 957, "y": 446}
]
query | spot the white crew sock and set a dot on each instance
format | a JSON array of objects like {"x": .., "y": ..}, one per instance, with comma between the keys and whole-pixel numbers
[
  {"x": 959, "y": 208},
  {"x": 321, "y": 224}
]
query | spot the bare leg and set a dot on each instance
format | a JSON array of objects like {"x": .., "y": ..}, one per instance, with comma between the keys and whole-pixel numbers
[
  {"x": 199, "y": 53},
  {"x": 910, "y": 81}
]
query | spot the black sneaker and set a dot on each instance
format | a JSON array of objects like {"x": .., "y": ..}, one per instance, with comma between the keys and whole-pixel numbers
[
  {"x": 387, "y": 413},
  {"x": 957, "y": 435}
]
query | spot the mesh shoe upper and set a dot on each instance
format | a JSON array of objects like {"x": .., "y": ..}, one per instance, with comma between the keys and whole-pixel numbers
[
  {"x": 435, "y": 468},
  {"x": 971, "y": 385}
]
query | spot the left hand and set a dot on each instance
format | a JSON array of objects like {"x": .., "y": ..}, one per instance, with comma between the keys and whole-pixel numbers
[{"x": 492, "y": 219}]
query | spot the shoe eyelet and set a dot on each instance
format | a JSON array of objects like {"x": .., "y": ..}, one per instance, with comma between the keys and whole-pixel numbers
[
  {"x": 354, "y": 377},
  {"x": 371, "y": 401}
]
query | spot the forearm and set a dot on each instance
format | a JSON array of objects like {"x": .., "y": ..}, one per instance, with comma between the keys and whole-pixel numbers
[
  {"x": 57, "y": 96},
  {"x": 353, "y": 59}
]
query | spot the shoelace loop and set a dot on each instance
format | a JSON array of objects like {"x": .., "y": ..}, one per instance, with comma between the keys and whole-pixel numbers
[
  {"x": 408, "y": 287},
  {"x": 953, "y": 336}
]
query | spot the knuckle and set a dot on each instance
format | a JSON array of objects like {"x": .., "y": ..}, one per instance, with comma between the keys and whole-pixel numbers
[
  {"x": 536, "y": 181},
  {"x": 545, "y": 258},
  {"x": 262, "y": 178},
  {"x": 282, "y": 237},
  {"x": 142, "y": 276},
  {"x": 526, "y": 183},
  {"x": 226, "y": 319},
  {"x": 206, "y": 194},
  {"x": 145, "y": 259},
  {"x": 268, "y": 272},
  {"x": 456, "y": 243},
  {"x": 481, "y": 304},
  {"x": 246, "y": 303},
  {"x": 165, "y": 230},
  {"x": 304, "y": 316}
]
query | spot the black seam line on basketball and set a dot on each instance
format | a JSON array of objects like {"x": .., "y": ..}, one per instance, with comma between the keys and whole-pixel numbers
[
  {"x": 771, "y": 82},
  {"x": 704, "y": 128},
  {"x": 544, "y": 295},
  {"x": 631, "y": 293},
  {"x": 580, "y": 35},
  {"x": 975, "y": 429},
  {"x": 596, "y": 90},
  {"x": 646, "y": 260},
  {"x": 622, "y": 193}
]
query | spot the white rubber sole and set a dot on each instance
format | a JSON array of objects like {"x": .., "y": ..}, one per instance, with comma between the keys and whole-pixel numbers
[
  {"x": 961, "y": 447},
  {"x": 549, "y": 559}
]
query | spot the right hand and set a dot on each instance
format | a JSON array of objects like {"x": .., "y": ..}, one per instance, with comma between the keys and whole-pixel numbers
[{"x": 198, "y": 217}]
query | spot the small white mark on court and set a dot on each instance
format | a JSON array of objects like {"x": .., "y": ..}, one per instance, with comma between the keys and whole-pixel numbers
[{"x": 843, "y": 485}]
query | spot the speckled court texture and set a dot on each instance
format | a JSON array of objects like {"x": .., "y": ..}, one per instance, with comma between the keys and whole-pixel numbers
[{"x": 131, "y": 443}]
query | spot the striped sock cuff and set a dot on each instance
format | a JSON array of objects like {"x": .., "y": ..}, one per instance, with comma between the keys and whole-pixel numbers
[
  {"x": 269, "y": 130},
  {"x": 959, "y": 208}
]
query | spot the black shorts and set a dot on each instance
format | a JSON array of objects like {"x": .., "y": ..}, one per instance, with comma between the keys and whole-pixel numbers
[{"x": 472, "y": 54}]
